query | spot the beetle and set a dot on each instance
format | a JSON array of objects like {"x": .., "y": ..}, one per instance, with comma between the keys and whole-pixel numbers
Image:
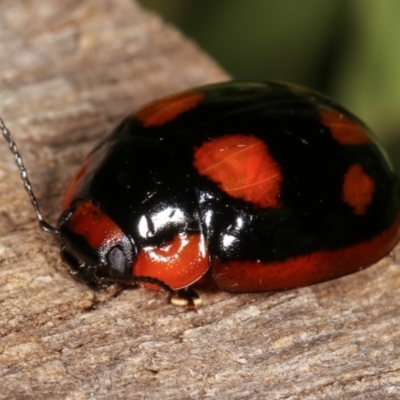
[{"x": 264, "y": 186}]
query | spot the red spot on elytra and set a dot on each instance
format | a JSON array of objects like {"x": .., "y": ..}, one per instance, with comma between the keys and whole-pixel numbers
[
  {"x": 242, "y": 167},
  {"x": 342, "y": 128},
  {"x": 167, "y": 109},
  {"x": 358, "y": 189},
  {"x": 251, "y": 276},
  {"x": 178, "y": 263},
  {"x": 95, "y": 226}
]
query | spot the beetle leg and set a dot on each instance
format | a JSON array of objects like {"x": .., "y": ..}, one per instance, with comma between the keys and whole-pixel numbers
[
  {"x": 82, "y": 272},
  {"x": 186, "y": 297}
]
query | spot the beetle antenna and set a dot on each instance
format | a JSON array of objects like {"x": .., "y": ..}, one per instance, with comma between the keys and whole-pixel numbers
[{"x": 24, "y": 176}]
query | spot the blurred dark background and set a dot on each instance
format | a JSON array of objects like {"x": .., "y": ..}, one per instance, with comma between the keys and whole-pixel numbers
[{"x": 349, "y": 50}]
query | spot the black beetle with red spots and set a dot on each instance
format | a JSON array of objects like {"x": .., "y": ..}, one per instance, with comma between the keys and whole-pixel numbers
[{"x": 266, "y": 186}]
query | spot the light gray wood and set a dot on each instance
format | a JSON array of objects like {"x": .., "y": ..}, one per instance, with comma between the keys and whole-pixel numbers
[{"x": 69, "y": 71}]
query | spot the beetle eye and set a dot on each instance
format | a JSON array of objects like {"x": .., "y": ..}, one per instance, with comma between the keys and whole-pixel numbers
[{"x": 116, "y": 262}]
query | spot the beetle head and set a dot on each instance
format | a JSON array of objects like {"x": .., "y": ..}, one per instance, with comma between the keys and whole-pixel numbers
[{"x": 93, "y": 246}]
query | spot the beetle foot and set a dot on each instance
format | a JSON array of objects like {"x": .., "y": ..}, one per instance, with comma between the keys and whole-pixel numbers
[{"x": 187, "y": 297}]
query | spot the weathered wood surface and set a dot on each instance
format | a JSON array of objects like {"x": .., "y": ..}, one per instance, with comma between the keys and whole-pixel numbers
[{"x": 69, "y": 70}]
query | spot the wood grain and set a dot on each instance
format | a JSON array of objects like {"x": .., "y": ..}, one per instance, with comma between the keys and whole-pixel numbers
[{"x": 69, "y": 71}]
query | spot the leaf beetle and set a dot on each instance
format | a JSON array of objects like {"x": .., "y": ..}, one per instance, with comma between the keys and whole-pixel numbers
[{"x": 263, "y": 186}]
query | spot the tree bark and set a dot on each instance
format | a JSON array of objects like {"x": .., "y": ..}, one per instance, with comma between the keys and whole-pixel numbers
[{"x": 69, "y": 71}]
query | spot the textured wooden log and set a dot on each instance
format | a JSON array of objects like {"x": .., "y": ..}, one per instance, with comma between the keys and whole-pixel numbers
[{"x": 69, "y": 71}]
